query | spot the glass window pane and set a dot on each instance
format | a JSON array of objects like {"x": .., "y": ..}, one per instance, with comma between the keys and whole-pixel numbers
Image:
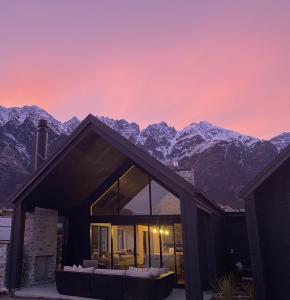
[
  {"x": 123, "y": 246},
  {"x": 134, "y": 193},
  {"x": 155, "y": 246},
  {"x": 179, "y": 253},
  {"x": 142, "y": 247},
  {"x": 167, "y": 242},
  {"x": 101, "y": 244},
  {"x": 107, "y": 204},
  {"x": 163, "y": 202}
]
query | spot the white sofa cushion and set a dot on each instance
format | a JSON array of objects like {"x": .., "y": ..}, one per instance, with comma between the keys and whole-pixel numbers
[
  {"x": 110, "y": 271},
  {"x": 86, "y": 270},
  {"x": 74, "y": 268},
  {"x": 138, "y": 273},
  {"x": 69, "y": 268},
  {"x": 156, "y": 272},
  {"x": 139, "y": 269}
]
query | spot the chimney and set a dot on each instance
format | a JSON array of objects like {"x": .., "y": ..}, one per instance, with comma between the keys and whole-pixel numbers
[{"x": 41, "y": 144}]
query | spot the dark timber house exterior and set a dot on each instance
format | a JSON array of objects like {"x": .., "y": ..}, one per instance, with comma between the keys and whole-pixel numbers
[
  {"x": 108, "y": 196},
  {"x": 267, "y": 201}
]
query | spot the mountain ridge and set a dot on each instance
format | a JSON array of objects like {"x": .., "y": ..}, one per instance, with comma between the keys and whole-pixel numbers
[{"x": 219, "y": 161}]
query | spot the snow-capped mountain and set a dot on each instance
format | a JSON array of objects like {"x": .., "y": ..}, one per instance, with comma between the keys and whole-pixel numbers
[
  {"x": 34, "y": 113},
  {"x": 220, "y": 161},
  {"x": 217, "y": 160},
  {"x": 129, "y": 130},
  {"x": 281, "y": 141}
]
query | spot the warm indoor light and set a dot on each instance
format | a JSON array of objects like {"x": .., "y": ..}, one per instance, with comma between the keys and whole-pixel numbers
[{"x": 166, "y": 232}]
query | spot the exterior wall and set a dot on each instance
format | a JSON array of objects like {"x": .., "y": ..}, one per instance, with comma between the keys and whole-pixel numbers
[
  {"x": 272, "y": 201},
  {"x": 78, "y": 239},
  {"x": 235, "y": 241},
  {"x": 226, "y": 232},
  {"x": 4, "y": 251},
  {"x": 207, "y": 261},
  {"x": 218, "y": 241},
  {"x": 40, "y": 239}
]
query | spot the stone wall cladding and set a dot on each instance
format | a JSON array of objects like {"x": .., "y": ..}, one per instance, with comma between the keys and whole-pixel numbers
[
  {"x": 40, "y": 239},
  {"x": 4, "y": 249}
]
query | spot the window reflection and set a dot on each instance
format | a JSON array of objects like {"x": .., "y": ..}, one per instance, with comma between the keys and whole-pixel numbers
[
  {"x": 107, "y": 204},
  {"x": 130, "y": 195},
  {"x": 155, "y": 246},
  {"x": 142, "y": 247},
  {"x": 179, "y": 253},
  {"x": 134, "y": 193},
  {"x": 101, "y": 244},
  {"x": 123, "y": 246},
  {"x": 163, "y": 202},
  {"x": 167, "y": 242}
]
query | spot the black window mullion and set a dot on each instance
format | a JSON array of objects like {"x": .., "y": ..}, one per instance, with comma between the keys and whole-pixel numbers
[
  {"x": 174, "y": 247},
  {"x": 160, "y": 246},
  {"x": 149, "y": 245},
  {"x": 112, "y": 254},
  {"x": 135, "y": 246},
  {"x": 118, "y": 197},
  {"x": 150, "y": 197}
]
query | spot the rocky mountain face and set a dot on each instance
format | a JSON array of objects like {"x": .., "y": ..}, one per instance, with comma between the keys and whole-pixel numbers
[{"x": 218, "y": 161}]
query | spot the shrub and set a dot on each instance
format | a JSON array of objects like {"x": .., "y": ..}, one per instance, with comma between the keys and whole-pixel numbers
[
  {"x": 249, "y": 289},
  {"x": 226, "y": 287}
]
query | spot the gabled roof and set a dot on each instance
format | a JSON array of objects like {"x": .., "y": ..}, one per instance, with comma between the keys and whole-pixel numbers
[
  {"x": 92, "y": 127},
  {"x": 265, "y": 173}
]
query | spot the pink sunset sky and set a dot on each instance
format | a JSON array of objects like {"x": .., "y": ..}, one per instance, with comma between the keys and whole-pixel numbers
[{"x": 223, "y": 61}]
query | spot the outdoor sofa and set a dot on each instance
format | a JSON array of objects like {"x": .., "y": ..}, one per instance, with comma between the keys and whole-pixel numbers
[{"x": 114, "y": 284}]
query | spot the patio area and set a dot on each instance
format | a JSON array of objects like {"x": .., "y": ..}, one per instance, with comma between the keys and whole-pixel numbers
[{"x": 49, "y": 291}]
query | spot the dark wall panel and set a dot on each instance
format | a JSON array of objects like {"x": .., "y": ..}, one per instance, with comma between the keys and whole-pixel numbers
[
  {"x": 235, "y": 242},
  {"x": 273, "y": 217},
  {"x": 218, "y": 240},
  {"x": 78, "y": 242},
  {"x": 204, "y": 240}
]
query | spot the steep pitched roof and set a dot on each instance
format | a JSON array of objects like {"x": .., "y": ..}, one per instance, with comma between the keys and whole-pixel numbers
[
  {"x": 265, "y": 173},
  {"x": 91, "y": 124}
]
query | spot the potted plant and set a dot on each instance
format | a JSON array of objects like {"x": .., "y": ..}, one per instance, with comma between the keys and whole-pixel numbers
[
  {"x": 249, "y": 289},
  {"x": 229, "y": 288},
  {"x": 225, "y": 288}
]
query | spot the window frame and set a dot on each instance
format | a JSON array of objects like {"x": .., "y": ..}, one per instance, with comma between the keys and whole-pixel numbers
[{"x": 117, "y": 182}]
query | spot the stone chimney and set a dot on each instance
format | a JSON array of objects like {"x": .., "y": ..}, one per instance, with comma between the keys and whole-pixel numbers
[{"x": 41, "y": 144}]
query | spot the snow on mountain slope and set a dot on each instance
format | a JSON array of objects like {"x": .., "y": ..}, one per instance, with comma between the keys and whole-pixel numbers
[
  {"x": 281, "y": 141},
  {"x": 128, "y": 130},
  {"x": 219, "y": 161},
  {"x": 34, "y": 113},
  {"x": 159, "y": 139},
  {"x": 209, "y": 132},
  {"x": 69, "y": 126}
]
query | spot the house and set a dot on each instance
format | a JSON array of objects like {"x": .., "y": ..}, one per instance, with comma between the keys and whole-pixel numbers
[
  {"x": 101, "y": 197},
  {"x": 268, "y": 213}
]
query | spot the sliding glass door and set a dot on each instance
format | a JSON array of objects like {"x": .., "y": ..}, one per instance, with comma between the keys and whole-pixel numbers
[
  {"x": 142, "y": 246},
  {"x": 139, "y": 245},
  {"x": 123, "y": 246},
  {"x": 101, "y": 244},
  {"x": 178, "y": 243},
  {"x": 155, "y": 246},
  {"x": 167, "y": 247}
]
